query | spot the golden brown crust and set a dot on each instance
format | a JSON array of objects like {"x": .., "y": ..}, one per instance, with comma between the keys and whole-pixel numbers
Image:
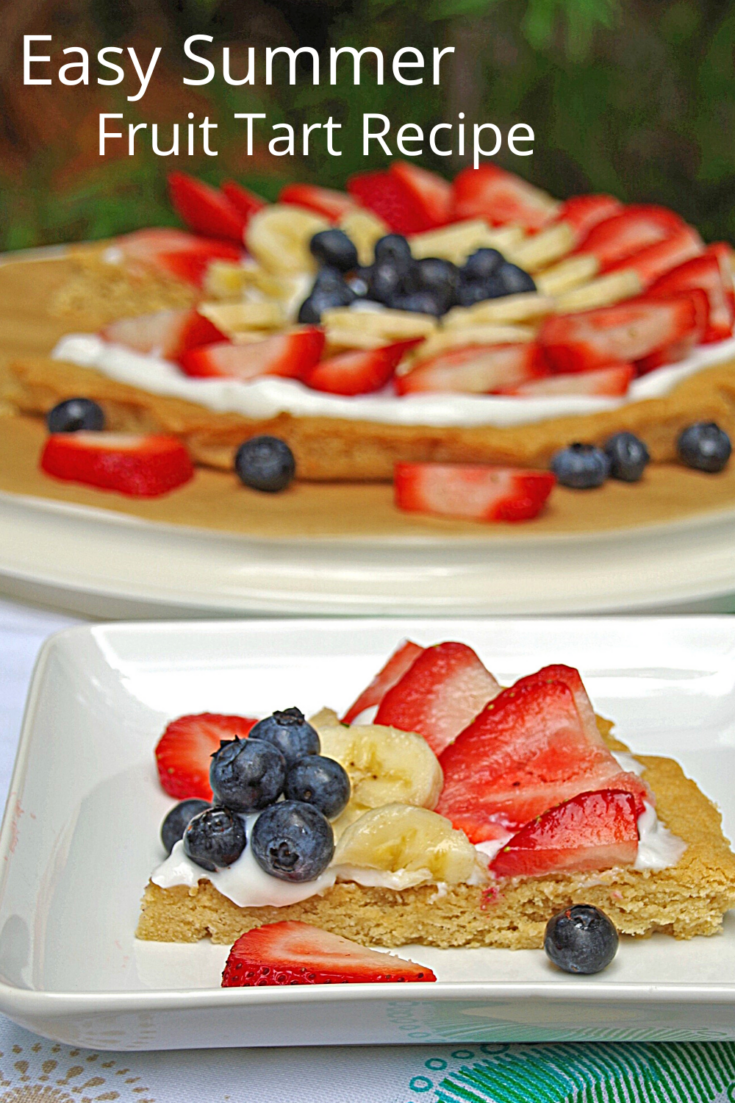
[
  {"x": 338, "y": 449},
  {"x": 684, "y": 900}
]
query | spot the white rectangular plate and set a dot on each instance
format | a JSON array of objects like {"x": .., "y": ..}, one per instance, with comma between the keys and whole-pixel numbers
[{"x": 80, "y": 837}]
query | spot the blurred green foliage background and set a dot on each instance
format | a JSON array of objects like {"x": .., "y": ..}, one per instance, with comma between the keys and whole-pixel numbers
[{"x": 637, "y": 99}]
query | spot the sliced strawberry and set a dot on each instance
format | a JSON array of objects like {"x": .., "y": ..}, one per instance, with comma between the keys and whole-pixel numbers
[
  {"x": 290, "y": 952},
  {"x": 430, "y": 192},
  {"x": 325, "y": 201},
  {"x": 498, "y": 196},
  {"x": 626, "y": 233},
  {"x": 245, "y": 202},
  {"x": 477, "y": 369},
  {"x": 139, "y": 466},
  {"x": 595, "y": 830},
  {"x": 287, "y": 354},
  {"x": 204, "y": 209},
  {"x": 167, "y": 333},
  {"x": 184, "y": 751},
  {"x": 572, "y": 679},
  {"x": 387, "y": 196},
  {"x": 703, "y": 272},
  {"x": 359, "y": 372},
  {"x": 582, "y": 212},
  {"x": 439, "y": 695},
  {"x": 651, "y": 262},
  {"x": 471, "y": 492},
  {"x": 680, "y": 348},
  {"x": 611, "y": 382},
  {"x": 398, "y": 664},
  {"x": 528, "y": 750},
  {"x": 175, "y": 253},
  {"x": 627, "y": 331}
]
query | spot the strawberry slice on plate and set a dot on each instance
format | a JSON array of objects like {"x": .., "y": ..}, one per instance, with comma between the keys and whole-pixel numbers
[
  {"x": 475, "y": 369},
  {"x": 527, "y": 751},
  {"x": 582, "y": 212},
  {"x": 471, "y": 492},
  {"x": 204, "y": 209},
  {"x": 360, "y": 371},
  {"x": 291, "y": 952},
  {"x": 245, "y": 202},
  {"x": 398, "y": 664},
  {"x": 184, "y": 751},
  {"x": 167, "y": 333},
  {"x": 175, "y": 253},
  {"x": 500, "y": 197},
  {"x": 595, "y": 830},
  {"x": 610, "y": 382},
  {"x": 626, "y": 233},
  {"x": 627, "y": 331},
  {"x": 703, "y": 272},
  {"x": 651, "y": 262},
  {"x": 431, "y": 194},
  {"x": 290, "y": 354},
  {"x": 387, "y": 196},
  {"x": 439, "y": 695},
  {"x": 328, "y": 202},
  {"x": 572, "y": 679},
  {"x": 139, "y": 466}
]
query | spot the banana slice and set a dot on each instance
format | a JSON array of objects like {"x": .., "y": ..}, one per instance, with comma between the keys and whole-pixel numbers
[
  {"x": 465, "y": 337},
  {"x": 278, "y": 237},
  {"x": 225, "y": 280},
  {"x": 401, "y": 839},
  {"x": 459, "y": 241},
  {"x": 567, "y": 274},
  {"x": 601, "y": 292},
  {"x": 544, "y": 248},
  {"x": 385, "y": 765},
  {"x": 390, "y": 325},
  {"x": 527, "y": 306},
  {"x": 235, "y": 318},
  {"x": 343, "y": 340},
  {"x": 363, "y": 228}
]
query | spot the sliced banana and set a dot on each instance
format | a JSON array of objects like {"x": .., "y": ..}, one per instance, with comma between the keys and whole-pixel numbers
[
  {"x": 604, "y": 291},
  {"x": 363, "y": 228},
  {"x": 385, "y": 765},
  {"x": 342, "y": 340},
  {"x": 472, "y": 335},
  {"x": 527, "y": 306},
  {"x": 568, "y": 274},
  {"x": 235, "y": 318},
  {"x": 402, "y": 839},
  {"x": 459, "y": 241},
  {"x": 390, "y": 325},
  {"x": 544, "y": 248},
  {"x": 278, "y": 237},
  {"x": 225, "y": 280}
]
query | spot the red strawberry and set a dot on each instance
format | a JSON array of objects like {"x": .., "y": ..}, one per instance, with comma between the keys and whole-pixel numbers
[
  {"x": 582, "y": 212},
  {"x": 476, "y": 369},
  {"x": 290, "y": 952},
  {"x": 167, "y": 333},
  {"x": 471, "y": 492},
  {"x": 651, "y": 262},
  {"x": 611, "y": 334},
  {"x": 359, "y": 372},
  {"x": 572, "y": 679},
  {"x": 681, "y": 347},
  {"x": 332, "y": 204},
  {"x": 526, "y": 752},
  {"x": 290, "y": 354},
  {"x": 626, "y": 233},
  {"x": 139, "y": 466},
  {"x": 591, "y": 831},
  {"x": 439, "y": 695},
  {"x": 431, "y": 194},
  {"x": 498, "y": 196},
  {"x": 400, "y": 661},
  {"x": 386, "y": 195},
  {"x": 175, "y": 253},
  {"x": 245, "y": 202},
  {"x": 609, "y": 382},
  {"x": 703, "y": 272},
  {"x": 184, "y": 751},
  {"x": 205, "y": 209}
]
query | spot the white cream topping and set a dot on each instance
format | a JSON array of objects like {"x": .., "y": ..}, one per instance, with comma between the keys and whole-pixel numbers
[
  {"x": 627, "y": 763},
  {"x": 658, "y": 848},
  {"x": 270, "y": 395}
]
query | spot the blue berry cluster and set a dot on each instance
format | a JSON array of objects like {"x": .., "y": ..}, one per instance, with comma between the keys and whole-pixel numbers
[
  {"x": 292, "y": 838},
  {"x": 399, "y": 281}
]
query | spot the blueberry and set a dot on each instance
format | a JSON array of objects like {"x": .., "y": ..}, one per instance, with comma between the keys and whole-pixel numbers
[
  {"x": 359, "y": 282},
  {"x": 386, "y": 282},
  {"x": 265, "y": 463},
  {"x": 330, "y": 279},
  {"x": 420, "y": 302},
  {"x": 470, "y": 292},
  {"x": 292, "y": 841},
  {"x": 215, "y": 838},
  {"x": 514, "y": 279},
  {"x": 704, "y": 446},
  {"x": 581, "y": 939},
  {"x": 482, "y": 264},
  {"x": 320, "y": 781},
  {"x": 290, "y": 732},
  {"x": 581, "y": 466},
  {"x": 247, "y": 774},
  {"x": 440, "y": 277},
  {"x": 73, "y": 414},
  {"x": 323, "y": 298},
  {"x": 628, "y": 457},
  {"x": 175, "y": 824},
  {"x": 335, "y": 248},
  {"x": 394, "y": 248}
]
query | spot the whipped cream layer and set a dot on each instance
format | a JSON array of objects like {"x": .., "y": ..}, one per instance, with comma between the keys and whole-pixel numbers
[{"x": 269, "y": 396}]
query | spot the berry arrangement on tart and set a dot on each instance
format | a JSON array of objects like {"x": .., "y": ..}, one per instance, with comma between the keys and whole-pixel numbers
[{"x": 474, "y": 342}]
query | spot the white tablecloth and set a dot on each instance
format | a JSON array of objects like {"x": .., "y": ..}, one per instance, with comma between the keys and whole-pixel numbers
[{"x": 34, "y": 1070}]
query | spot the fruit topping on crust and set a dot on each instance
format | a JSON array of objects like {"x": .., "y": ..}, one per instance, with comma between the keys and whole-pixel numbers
[{"x": 184, "y": 750}]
